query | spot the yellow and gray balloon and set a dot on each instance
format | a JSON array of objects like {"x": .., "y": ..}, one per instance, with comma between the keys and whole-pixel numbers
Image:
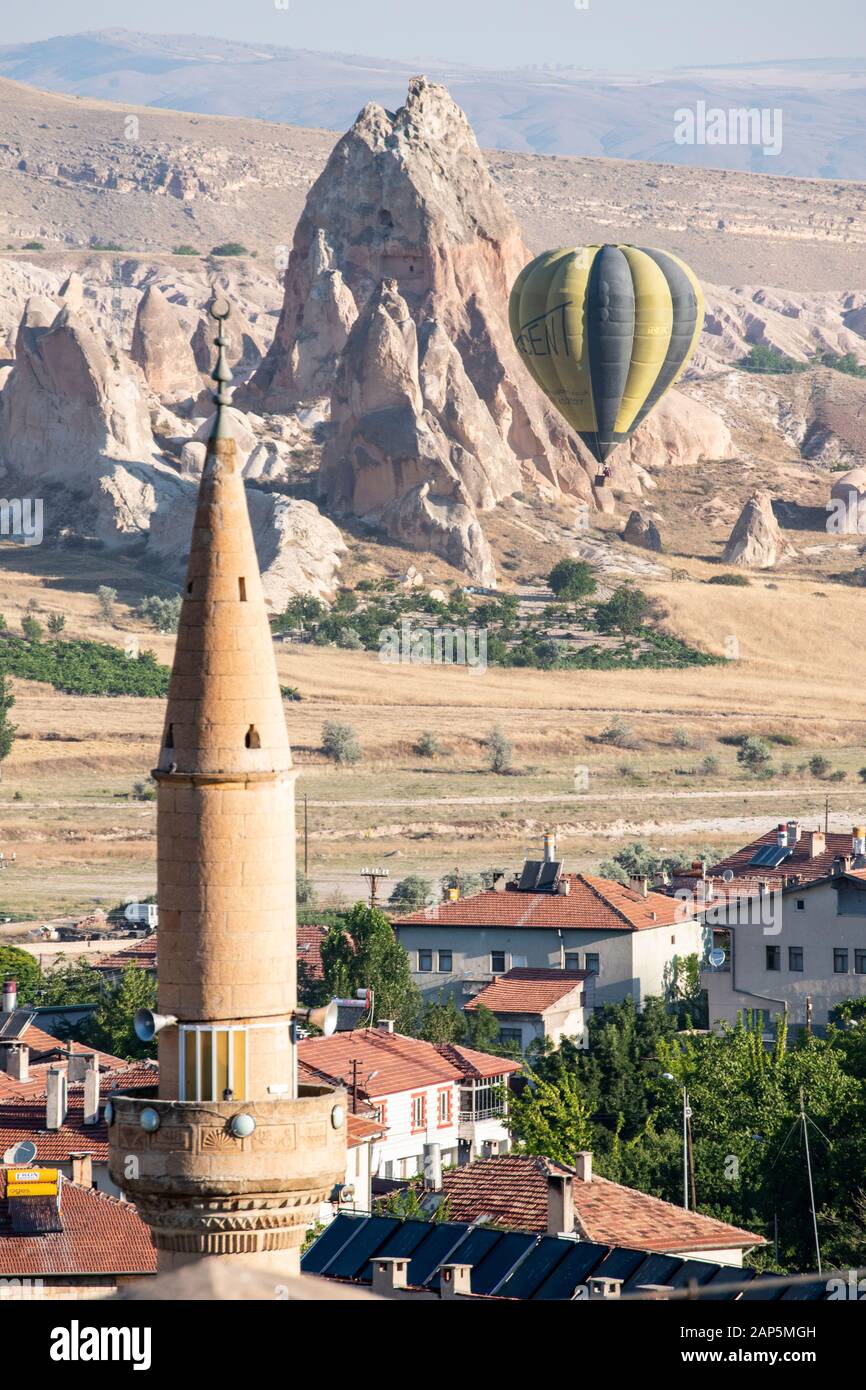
[{"x": 606, "y": 331}]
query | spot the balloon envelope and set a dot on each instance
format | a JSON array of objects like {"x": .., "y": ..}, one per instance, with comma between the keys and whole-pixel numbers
[{"x": 606, "y": 331}]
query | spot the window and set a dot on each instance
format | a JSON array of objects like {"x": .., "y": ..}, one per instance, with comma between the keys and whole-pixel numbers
[
  {"x": 212, "y": 1060},
  {"x": 572, "y": 960},
  {"x": 443, "y": 1107},
  {"x": 445, "y": 962},
  {"x": 242, "y": 590},
  {"x": 840, "y": 962},
  {"x": 795, "y": 957},
  {"x": 419, "y": 1112},
  {"x": 860, "y": 962},
  {"x": 425, "y": 961},
  {"x": 497, "y": 962},
  {"x": 483, "y": 1100},
  {"x": 252, "y": 739},
  {"x": 511, "y": 1035},
  {"x": 380, "y": 1112},
  {"x": 388, "y": 1168},
  {"x": 593, "y": 963},
  {"x": 774, "y": 957},
  {"x": 801, "y": 904}
]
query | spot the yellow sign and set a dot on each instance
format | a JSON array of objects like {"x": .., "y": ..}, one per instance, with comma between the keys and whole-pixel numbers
[
  {"x": 32, "y": 1175},
  {"x": 31, "y": 1189}
]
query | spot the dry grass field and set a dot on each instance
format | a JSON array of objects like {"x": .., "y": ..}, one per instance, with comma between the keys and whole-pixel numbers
[{"x": 81, "y": 841}]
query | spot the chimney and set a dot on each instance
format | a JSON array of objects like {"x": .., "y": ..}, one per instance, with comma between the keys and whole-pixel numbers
[
  {"x": 816, "y": 843},
  {"x": 82, "y": 1167},
  {"x": 781, "y": 835},
  {"x": 699, "y": 867},
  {"x": 583, "y": 1166},
  {"x": 385, "y": 1025},
  {"x": 91, "y": 1095},
  {"x": 17, "y": 1061},
  {"x": 10, "y": 996},
  {"x": 55, "y": 1098},
  {"x": 389, "y": 1274},
  {"x": 455, "y": 1281},
  {"x": 549, "y": 846},
  {"x": 793, "y": 829},
  {"x": 433, "y": 1167},
  {"x": 858, "y": 841},
  {"x": 499, "y": 883},
  {"x": 604, "y": 1288},
  {"x": 560, "y": 1204},
  {"x": 639, "y": 883},
  {"x": 79, "y": 1064}
]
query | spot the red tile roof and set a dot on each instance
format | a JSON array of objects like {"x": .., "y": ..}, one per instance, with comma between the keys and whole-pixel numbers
[
  {"x": 595, "y": 904},
  {"x": 528, "y": 991},
  {"x": 400, "y": 1063},
  {"x": 43, "y": 1045},
  {"x": 24, "y": 1117},
  {"x": 310, "y": 938},
  {"x": 139, "y": 955},
  {"x": 512, "y": 1192},
  {"x": 802, "y": 865},
  {"x": 101, "y": 1235},
  {"x": 360, "y": 1128}
]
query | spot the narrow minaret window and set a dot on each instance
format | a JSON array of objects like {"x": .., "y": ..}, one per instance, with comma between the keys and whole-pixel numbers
[
  {"x": 252, "y": 739},
  {"x": 189, "y": 587},
  {"x": 169, "y": 737},
  {"x": 242, "y": 590}
]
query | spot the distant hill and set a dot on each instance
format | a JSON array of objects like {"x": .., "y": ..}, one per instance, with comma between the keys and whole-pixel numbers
[{"x": 555, "y": 110}]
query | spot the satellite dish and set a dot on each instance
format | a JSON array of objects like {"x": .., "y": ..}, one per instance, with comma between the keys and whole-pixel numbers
[
  {"x": 22, "y": 1153},
  {"x": 728, "y": 876},
  {"x": 717, "y": 957}
]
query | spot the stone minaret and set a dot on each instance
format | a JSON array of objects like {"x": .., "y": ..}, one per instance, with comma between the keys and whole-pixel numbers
[{"x": 233, "y": 1157}]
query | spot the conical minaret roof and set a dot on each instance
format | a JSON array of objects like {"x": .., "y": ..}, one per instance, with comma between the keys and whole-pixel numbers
[{"x": 225, "y": 712}]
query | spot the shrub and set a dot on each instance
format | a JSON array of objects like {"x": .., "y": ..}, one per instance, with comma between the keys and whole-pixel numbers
[
  {"x": 56, "y": 623},
  {"x": 33, "y": 246},
  {"x": 838, "y": 775},
  {"x": 710, "y": 765},
  {"x": 144, "y": 791},
  {"x": 84, "y": 668},
  {"x": 340, "y": 743},
  {"x": 164, "y": 613},
  {"x": 618, "y": 733},
  {"x": 411, "y": 893},
  {"x": 427, "y": 745},
  {"x": 229, "y": 248},
  {"x": 106, "y": 597},
  {"x": 571, "y": 579},
  {"x": 185, "y": 250},
  {"x": 862, "y": 774},
  {"x": 819, "y": 766},
  {"x": 754, "y": 755},
  {"x": 737, "y": 581},
  {"x": 498, "y": 750},
  {"x": 770, "y": 360},
  {"x": 681, "y": 738},
  {"x": 33, "y": 630},
  {"x": 625, "y": 611}
]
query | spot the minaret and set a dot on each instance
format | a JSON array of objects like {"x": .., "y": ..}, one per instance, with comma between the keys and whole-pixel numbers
[{"x": 233, "y": 1157}]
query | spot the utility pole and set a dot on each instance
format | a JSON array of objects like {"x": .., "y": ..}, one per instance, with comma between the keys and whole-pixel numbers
[
  {"x": 691, "y": 1157},
  {"x": 354, "y": 1085},
  {"x": 686, "y": 1117},
  {"x": 826, "y": 813},
  {"x": 306, "y": 839},
  {"x": 372, "y": 876}
]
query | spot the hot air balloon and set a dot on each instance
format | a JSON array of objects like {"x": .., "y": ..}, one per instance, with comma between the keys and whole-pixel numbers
[{"x": 605, "y": 331}]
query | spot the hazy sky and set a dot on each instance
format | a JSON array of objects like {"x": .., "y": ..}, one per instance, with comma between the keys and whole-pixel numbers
[{"x": 610, "y": 34}]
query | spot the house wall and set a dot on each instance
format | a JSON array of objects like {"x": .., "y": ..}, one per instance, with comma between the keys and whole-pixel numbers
[
  {"x": 818, "y": 927},
  {"x": 555, "y": 1023}
]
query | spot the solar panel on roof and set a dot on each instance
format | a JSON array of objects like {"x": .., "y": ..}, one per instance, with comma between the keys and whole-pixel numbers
[
  {"x": 529, "y": 877},
  {"x": 15, "y": 1023},
  {"x": 478, "y": 1244},
  {"x": 402, "y": 1241},
  {"x": 621, "y": 1263},
  {"x": 332, "y": 1239},
  {"x": 351, "y": 1261},
  {"x": 580, "y": 1262},
  {"x": 656, "y": 1269},
  {"x": 530, "y": 1274},
  {"x": 492, "y": 1273},
  {"x": 769, "y": 857},
  {"x": 441, "y": 1246},
  {"x": 692, "y": 1271},
  {"x": 549, "y": 876}
]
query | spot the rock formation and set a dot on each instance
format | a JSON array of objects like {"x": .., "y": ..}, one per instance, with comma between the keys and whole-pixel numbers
[
  {"x": 642, "y": 531},
  {"x": 756, "y": 541},
  {"x": 162, "y": 349}
]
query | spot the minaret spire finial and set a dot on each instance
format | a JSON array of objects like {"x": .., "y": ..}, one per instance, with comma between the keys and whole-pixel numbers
[{"x": 219, "y": 309}]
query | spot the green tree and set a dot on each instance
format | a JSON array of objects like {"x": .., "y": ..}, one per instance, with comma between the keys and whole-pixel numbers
[
  {"x": 106, "y": 597},
  {"x": 552, "y": 1120},
  {"x": 74, "y": 981},
  {"x": 819, "y": 766},
  {"x": 498, "y": 751},
  {"x": 411, "y": 893},
  {"x": 110, "y": 1026},
  {"x": 340, "y": 743},
  {"x": 571, "y": 579},
  {"x": 427, "y": 745},
  {"x": 56, "y": 624},
  {"x": 627, "y": 610},
  {"x": 754, "y": 755},
  {"x": 362, "y": 952},
  {"x": 32, "y": 629},
  {"x": 8, "y": 730},
  {"x": 164, "y": 613},
  {"x": 443, "y": 1022},
  {"x": 229, "y": 248},
  {"x": 19, "y": 965},
  {"x": 305, "y": 893}
]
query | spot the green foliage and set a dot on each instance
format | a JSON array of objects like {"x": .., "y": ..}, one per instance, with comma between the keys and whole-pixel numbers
[
  {"x": 8, "y": 730},
  {"x": 754, "y": 755},
  {"x": 106, "y": 597},
  {"x": 305, "y": 893},
  {"x": 109, "y": 1027},
  {"x": 362, "y": 952},
  {"x": 498, "y": 750},
  {"x": 571, "y": 579},
  {"x": 229, "y": 248},
  {"x": 769, "y": 360},
  {"x": 74, "y": 981},
  {"x": 164, "y": 613},
  {"x": 625, "y": 611},
  {"x": 185, "y": 250},
  {"x": 847, "y": 363},
  {"x": 144, "y": 791},
  {"x": 407, "y": 1205},
  {"x": 427, "y": 745},
  {"x": 736, "y": 581},
  {"x": 21, "y": 966},
  {"x": 340, "y": 743},
  {"x": 820, "y": 767},
  {"x": 33, "y": 246},
  {"x": 617, "y": 733},
  {"x": 443, "y": 1022},
  {"x": 56, "y": 624},
  {"x": 410, "y": 893},
  {"x": 32, "y": 629},
  {"x": 638, "y": 860},
  {"x": 84, "y": 668},
  {"x": 552, "y": 1120},
  {"x": 97, "y": 245}
]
